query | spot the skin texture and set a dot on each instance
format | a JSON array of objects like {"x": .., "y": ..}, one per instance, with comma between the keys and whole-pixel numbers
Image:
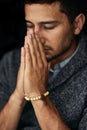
[
  {"x": 53, "y": 28},
  {"x": 36, "y": 67},
  {"x": 50, "y": 37}
]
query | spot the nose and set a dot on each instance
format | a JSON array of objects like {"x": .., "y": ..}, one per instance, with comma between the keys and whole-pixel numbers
[{"x": 37, "y": 31}]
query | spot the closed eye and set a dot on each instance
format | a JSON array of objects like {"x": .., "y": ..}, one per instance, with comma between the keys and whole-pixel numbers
[
  {"x": 29, "y": 26},
  {"x": 49, "y": 28}
]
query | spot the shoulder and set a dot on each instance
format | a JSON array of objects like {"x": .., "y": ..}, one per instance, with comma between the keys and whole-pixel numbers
[
  {"x": 10, "y": 60},
  {"x": 11, "y": 56}
]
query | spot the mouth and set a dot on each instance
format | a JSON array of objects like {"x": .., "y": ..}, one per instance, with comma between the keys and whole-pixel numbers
[
  {"x": 46, "y": 48},
  {"x": 46, "y": 51}
]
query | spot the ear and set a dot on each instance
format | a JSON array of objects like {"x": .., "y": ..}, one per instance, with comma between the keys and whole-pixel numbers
[{"x": 79, "y": 23}]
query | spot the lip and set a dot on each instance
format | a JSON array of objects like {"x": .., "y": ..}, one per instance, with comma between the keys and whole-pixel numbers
[
  {"x": 46, "y": 51},
  {"x": 46, "y": 48}
]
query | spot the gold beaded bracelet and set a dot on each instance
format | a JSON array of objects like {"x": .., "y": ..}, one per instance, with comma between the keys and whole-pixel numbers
[{"x": 36, "y": 98}]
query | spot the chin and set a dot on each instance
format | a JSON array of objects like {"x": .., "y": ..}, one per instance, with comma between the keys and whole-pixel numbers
[{"x": 50, "y": 58}]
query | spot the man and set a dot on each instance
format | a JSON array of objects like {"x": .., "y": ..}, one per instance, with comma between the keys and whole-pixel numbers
[{"x": 50, "y": 91}]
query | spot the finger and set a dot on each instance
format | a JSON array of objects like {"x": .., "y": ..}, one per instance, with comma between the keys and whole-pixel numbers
[
  {"x": 21, "y": 69},
  {"x": 37, "y": 50},
  {"x": 25, "y": 40},
  {"x": 28, "y": 59},
  {"x": 22, "y": 57},
  {"x": 41, "y": 49},
  {"x": 31, "y": 43},
  {"x": 49, "y": 66},
  {"x": 20, "y": 78}
]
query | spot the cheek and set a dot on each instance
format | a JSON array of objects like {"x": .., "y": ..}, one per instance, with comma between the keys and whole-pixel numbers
[
  {"x": 58, "y": 37},
  {"x": 62, "y": 36},
  {"x": 54, "y": 42},
  {"x": 54, "y": 39},
  {"x": 57, "y": 34}
]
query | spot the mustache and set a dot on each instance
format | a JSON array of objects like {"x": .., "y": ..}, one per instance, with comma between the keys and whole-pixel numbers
[
  {"x": 45, "y": 47},
  {"x": 48, "y": 48}
]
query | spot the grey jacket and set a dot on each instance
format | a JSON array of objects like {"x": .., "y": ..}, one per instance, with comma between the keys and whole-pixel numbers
[{"x": 68, "y": 91}]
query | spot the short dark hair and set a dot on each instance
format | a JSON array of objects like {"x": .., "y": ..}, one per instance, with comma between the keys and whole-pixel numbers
[{"x": 69, "y": 7}]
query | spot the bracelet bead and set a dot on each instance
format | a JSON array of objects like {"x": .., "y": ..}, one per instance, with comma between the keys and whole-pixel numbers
[{"x": 37, "y": 97}]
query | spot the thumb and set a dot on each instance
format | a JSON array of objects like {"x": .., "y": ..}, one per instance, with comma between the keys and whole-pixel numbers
[{"x": 20, "y": 76}]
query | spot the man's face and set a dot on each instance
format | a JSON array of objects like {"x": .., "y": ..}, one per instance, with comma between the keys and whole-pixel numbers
[{"x": 53, "y": 28}]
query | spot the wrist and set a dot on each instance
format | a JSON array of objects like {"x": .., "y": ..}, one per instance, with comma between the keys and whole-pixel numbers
[
  {"x": 39, "y": 97},
  {"x": 18, "y": 99},
  {"x": 35, "y": 92}
]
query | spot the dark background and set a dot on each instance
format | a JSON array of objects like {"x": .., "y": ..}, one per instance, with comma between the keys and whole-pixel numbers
[{"x": 12, "y": 24}]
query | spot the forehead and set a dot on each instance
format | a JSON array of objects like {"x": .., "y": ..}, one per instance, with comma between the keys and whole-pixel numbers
[{"x": 39, "y": 12}]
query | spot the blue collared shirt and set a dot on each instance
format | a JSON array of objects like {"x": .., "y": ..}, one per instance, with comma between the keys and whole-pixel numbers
[{"x": 59, "y": 66}]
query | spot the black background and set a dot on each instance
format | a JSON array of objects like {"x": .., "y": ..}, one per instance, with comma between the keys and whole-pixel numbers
[{"x": 12, "y": 24}]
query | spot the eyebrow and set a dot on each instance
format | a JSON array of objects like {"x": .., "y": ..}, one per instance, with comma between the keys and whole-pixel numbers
[{"x": 43, "y": 22}]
